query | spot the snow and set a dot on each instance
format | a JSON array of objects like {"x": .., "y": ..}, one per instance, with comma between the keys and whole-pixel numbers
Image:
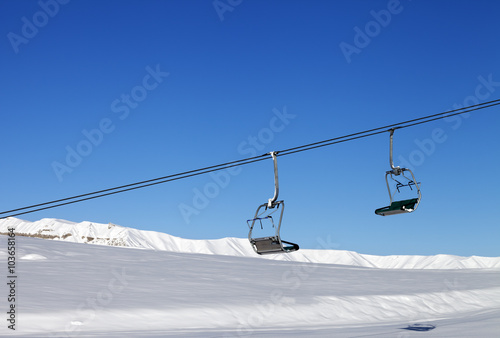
[
  {"x": 220, "y": 288},
  {"x": 33, "y": 257}
]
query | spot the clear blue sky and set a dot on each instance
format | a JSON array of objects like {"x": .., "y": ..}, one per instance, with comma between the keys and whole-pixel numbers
[{"x": 97, "y": 94}]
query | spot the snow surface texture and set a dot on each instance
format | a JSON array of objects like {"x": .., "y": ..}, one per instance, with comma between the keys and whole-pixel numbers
[
  {"x": 76, "y": 290},
  {"x": 115, "y": 235}
]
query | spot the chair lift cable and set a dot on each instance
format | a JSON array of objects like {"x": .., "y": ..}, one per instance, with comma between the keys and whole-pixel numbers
[{"x": 205, "y": 170}]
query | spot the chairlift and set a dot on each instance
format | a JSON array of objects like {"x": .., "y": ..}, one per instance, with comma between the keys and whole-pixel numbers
[
  {"x": 401, "y": 206},
  {"x": 264, "y": 218}
]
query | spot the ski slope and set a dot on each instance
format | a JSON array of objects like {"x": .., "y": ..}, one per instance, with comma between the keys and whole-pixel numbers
[
  {"x": 78, "y": 290},
  {"x": 68, "y": 289}
]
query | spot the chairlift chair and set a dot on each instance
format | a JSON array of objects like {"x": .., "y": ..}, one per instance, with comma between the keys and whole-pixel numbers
[
  {"x": 263, "y": 216},
  {"x": 401, "y": 206}
]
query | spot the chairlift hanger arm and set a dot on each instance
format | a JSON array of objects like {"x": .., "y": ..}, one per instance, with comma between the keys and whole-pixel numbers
[
  {"x": 395, "y": 170},
  {"x": 271, "y": 202}
]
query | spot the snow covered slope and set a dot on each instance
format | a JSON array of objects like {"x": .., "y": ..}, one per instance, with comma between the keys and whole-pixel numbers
[
  {"x": 115, "y": 235},
  {"x": 77, "y": 290}
]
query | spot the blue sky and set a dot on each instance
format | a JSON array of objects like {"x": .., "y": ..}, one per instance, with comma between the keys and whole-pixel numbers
[{"x": 99, "y": 94}]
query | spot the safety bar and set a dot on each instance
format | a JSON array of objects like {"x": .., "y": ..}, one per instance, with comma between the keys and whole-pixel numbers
[
  {"x": 402, "y": 170},
  {"x": 257, "y": 217}
]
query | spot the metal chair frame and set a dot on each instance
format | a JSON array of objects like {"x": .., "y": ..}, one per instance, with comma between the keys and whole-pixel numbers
[
  {"x": 396, "y": 171},
  {"x": 270, "y": 244}
]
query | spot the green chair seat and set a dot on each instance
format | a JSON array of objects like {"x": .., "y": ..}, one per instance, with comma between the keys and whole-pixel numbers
[{"x": 398, "y": 207}]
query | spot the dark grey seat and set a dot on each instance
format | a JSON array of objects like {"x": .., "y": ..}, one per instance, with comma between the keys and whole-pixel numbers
[{"x": 270, "y": 245}]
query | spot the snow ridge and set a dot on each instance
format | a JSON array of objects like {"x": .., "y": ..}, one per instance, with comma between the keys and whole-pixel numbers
[{"x": 115, "y": 235}]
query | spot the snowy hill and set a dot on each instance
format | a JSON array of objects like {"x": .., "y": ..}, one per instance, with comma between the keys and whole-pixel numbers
[
  {"x": 115, "y": 235},
  {"x": 73, "y": 290}
]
